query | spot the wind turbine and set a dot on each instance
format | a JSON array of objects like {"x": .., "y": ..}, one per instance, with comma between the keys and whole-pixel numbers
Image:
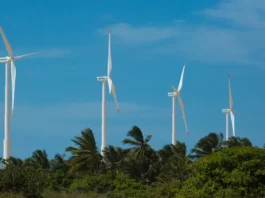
[
  {"x": 7, "y": 60},
  {"x": 175, "y": 94},
  {"x": 108, "y": 79},
  {"x": 229, "y": 111}
]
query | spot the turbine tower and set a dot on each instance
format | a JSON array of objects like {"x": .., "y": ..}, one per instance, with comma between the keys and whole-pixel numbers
[
  {"x": 229, "y": 111},
  {"x": 108, "y": 79},
  {"x": 7, "y": 60},
  {"x": 175, "y": 94}
]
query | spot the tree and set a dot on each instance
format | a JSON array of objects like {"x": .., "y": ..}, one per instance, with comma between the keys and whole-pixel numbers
[
  {"x": 58, "y": 163},
  {"x": 141, "y": 162},
  {"x": 237, "y": 142},
  {"x": 170, "y": 151},
  {"x": 114, "y": 157},
  {"x": 233, "y": 172},
  {"x": 140, "y": 145},
  {"x": 27, "y": 181},
  {"x": 209, "y": 144},
  {"x": 173, "y": 162},
  {"x": 85, "y": 158},
  {"x": 13, "y": 161},
  {"x": 39, "y": 159}
]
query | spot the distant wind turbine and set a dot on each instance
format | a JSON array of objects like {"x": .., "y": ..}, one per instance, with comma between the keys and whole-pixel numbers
[
  {"x": 175, "y": 94},
  {"x": 229, "y": 111},
  {"x": 108, "y": 79},
  {"x": 7, "y": 60}
]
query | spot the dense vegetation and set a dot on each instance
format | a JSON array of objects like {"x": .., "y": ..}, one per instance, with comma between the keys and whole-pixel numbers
[{"x": 213, "y": 168}]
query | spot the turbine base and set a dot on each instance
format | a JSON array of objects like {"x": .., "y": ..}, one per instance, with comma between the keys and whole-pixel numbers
[{"x": 7, "y": 148}]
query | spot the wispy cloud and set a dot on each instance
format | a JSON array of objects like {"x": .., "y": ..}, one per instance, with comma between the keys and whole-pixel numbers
[
  {"x": 231, "y": 32},
  {"x": 142, "y": 34},
  {"x": 244, "y": 13},
  {"x": 43, "y": 53},
  {"x": 54, "y": 53},
  {"x": 70, "y": 117}
]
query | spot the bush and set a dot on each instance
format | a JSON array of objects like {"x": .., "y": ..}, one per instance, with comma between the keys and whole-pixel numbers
[
  {"x": 124, "y": 187},
  {"x": 9, "y": 195},
  {"x": 93, "y": 183},
  {"x": 28, "y": 182},
  {"x": 59, "y": 181},
  {"x": 234, "y": 172}
]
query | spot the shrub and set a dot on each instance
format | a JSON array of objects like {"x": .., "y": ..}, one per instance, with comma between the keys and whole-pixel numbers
[
  {"x": 25, "y": 181},
  {"x": 93, "y": 183}
]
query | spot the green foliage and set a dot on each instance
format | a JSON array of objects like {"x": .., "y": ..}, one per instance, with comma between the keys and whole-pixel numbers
[
  {"x": 59, "y": 181},
  {"x": 114, "y": 158},
  {"x": 211, "y": 143},
  {"x": 233, "y": 168},
  {"x": 173, "y": 162},
  {"x": 123, "y": 187},
  {"x": 93, "y": 183},
  {"x": 10, "y": 195},
  {"x": 39, "y": 159},
  {"x": 165, "y": 190},
  {"x": 139, "y": 143},
  {"x": 237, "y": 142},
  {"x": 26, "y": 181},
  {"x": 86, "y": 157},
  {"x": 234, "y": 172}
]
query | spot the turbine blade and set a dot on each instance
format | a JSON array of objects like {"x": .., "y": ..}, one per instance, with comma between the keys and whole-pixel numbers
[
  {"x": 110, "y": 84},
  {"x": 236, "y": 112},
  {"x": 230, "y": 93},
  {"x": 115, "y": 97},
  {"x": 183, "y": 113},
  {"x": 22, "y": 56},
  {"x": 233, "y": 122},
  {"x": 174, "y": 88},
  {"x": 109, "y": 56},
  {"x": 13, "y": 81},
  {"x": 8, "y": 47},
  {"x": 181, "y": 78}
]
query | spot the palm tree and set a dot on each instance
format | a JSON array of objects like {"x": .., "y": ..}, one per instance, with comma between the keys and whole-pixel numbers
[
  {"x": 209, "y": 144},
  {"x": 86, "y": 157},
  {"x": 58, "y": 163},
  {"x": 237, "y": 142},
  {"x": 39, "y": 159},
  {"x": 141, "y": 146},
  {"x": 175, "y": 152},
  {"x": 141, "y": 162},
  {"x": 13, "y": 161},
  {"x": 173, "y": 162},
  {"x": 113, "y": 158}
]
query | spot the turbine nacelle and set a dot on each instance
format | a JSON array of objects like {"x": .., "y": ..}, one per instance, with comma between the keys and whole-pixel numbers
[
  {"x": 102, "y": 78},
  {"x": 173, "y": 94},
  {"x": 5, "y": 59},
  {"x": 225, "y": 110}
]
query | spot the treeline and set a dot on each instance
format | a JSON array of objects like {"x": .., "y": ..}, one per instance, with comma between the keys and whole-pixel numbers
[{"x": 213, "y": 168}]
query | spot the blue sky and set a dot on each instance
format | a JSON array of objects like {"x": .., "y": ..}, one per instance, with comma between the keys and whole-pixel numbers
[{"x": 57, "y": 94}]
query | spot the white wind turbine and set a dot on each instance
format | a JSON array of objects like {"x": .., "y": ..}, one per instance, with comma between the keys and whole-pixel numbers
[
  {"x": 7, "y": 60},
  {"x": 108, "y": 79},
  {"x": 175, "y": 94},
  {"x": 229, "y": 111}
]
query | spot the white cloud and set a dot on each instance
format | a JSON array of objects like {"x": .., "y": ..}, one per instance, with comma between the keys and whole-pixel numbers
[
  {"x": 235, "y": 37},
  {"x": 140, "y": 35},
  {"x": 51, "y": 119},
  {"x": 54, "y": 52},
  {"x": 43, "y": 53},
  {"x": 245, "y": 13}
]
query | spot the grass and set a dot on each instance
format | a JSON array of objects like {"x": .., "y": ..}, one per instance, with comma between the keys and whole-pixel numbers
[
  {"x": 10, "y": 195},
  {"x": 49, "y": 194}
]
